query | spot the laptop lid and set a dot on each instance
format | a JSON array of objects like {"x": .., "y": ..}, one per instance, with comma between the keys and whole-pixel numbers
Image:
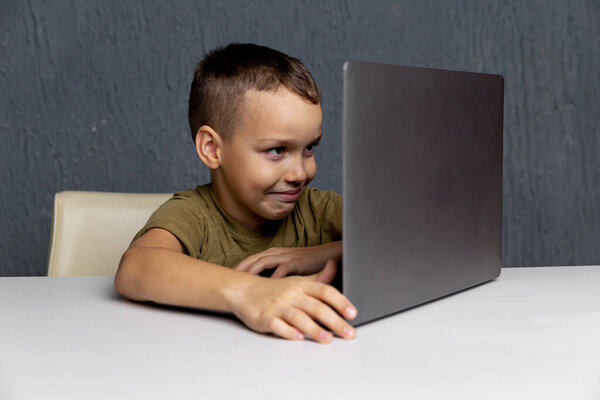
[{"x": 422, "y": 176}]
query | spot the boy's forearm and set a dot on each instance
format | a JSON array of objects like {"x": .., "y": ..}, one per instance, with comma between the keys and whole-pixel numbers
[
  {"x": 166, "y": 276},
  {"x": 287, "y": 307}
]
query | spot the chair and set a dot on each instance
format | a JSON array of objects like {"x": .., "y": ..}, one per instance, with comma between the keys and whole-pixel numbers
[{"x": 91, "y": 230}]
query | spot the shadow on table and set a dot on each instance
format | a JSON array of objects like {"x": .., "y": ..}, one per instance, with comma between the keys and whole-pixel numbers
[
  {"x": 432, "y": 301},
  {"x": 112, "y": 294}
]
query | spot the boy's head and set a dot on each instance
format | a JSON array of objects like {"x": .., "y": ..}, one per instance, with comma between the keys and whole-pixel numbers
[
  {"x": 256, "y": 120},
  {"x": 225, "y": 74}
]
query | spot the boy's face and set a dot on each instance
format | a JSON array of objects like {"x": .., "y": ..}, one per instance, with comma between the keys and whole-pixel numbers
[{"x": 269, "y": 159}]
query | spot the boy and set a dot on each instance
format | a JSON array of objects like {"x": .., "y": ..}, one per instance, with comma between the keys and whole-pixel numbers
[{"x": 255, "y": 117}]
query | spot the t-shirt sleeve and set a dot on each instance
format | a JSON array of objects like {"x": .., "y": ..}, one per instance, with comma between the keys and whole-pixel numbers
[
  {"x": 180, "y": 215},
  {"x": 327, "y": 208}
]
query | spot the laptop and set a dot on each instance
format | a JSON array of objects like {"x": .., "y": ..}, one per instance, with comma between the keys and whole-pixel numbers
[{"x": 422, "y": 184}]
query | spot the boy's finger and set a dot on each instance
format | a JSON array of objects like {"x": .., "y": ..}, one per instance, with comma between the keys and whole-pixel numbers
[
  {"x": 329, "y": 318},
  {"x": 253, "y": 264},
  {"x": 330, "y": 295},
  {"x": 281, "y": 271},
  {"x": 250, "y": 260},
  {"x": 285, "y": 330},
  {"x": 266, "y": 262},
  {"x": 327, "y": 274},
  {"x": 245, "y": 263},
  {"x": 304, "y": 323}
]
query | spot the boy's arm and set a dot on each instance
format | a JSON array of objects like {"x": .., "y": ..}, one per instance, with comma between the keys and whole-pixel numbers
[
  {"x": 155, "y": 268},
  {"x": 292, "y": 260}
]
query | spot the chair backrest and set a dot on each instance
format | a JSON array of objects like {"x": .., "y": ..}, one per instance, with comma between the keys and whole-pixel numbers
[{"x": 91, "y": 230}]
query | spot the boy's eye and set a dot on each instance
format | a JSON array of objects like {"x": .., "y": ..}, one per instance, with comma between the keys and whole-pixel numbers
[
  {"x": 276, "y": 151},
  {"x": 311, "y": 147}
]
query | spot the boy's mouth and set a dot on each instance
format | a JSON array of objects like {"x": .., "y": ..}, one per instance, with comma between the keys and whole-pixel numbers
[{"x": 288, "y": 196}]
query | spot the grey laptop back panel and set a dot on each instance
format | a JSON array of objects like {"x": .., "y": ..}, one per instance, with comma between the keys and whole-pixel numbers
[{"x": 422, "y": 154}]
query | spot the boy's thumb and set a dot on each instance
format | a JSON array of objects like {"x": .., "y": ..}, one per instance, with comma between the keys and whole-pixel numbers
[{"x": 327, "y": 273}]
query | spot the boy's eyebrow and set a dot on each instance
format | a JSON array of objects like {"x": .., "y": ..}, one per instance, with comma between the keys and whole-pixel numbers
[{"x": 285, "y": 141}]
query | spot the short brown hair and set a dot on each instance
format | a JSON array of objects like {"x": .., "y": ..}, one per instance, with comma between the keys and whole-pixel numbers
[{"x": 225, "y": 74}]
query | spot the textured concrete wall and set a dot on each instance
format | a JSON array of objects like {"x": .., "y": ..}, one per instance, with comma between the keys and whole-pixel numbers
[{"x": 94, "y": 98}]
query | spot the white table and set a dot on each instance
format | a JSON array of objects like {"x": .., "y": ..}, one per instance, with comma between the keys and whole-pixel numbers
[{"x": 532, "y": 334}]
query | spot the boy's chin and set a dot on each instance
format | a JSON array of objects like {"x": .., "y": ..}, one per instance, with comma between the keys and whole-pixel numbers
[{"x": 280, "y": 214}]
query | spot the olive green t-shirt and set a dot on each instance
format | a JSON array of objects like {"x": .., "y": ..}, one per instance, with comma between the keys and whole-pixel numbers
[{"x": 207, "y": 233}]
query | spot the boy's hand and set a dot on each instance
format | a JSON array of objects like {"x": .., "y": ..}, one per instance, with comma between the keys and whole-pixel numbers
[
  {"x": 291, "y": 260},
  {"x": 289, "y": 307}
]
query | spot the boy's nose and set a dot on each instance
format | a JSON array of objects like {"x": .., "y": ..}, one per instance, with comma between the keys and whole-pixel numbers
[{"x": 297, "y": 172}]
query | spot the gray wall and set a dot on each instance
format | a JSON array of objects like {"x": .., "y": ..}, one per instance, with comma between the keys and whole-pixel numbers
[{"x": 94, "y": 97}]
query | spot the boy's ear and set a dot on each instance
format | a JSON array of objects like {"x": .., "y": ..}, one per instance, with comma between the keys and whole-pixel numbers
[{"x": 208, "y": 146}]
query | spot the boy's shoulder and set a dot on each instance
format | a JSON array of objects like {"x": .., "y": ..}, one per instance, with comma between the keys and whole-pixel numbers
[
  {"x": 184, "y": 214},
  {"x": 198, "y": 200},
  {"x": 201, "y": 193}
]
